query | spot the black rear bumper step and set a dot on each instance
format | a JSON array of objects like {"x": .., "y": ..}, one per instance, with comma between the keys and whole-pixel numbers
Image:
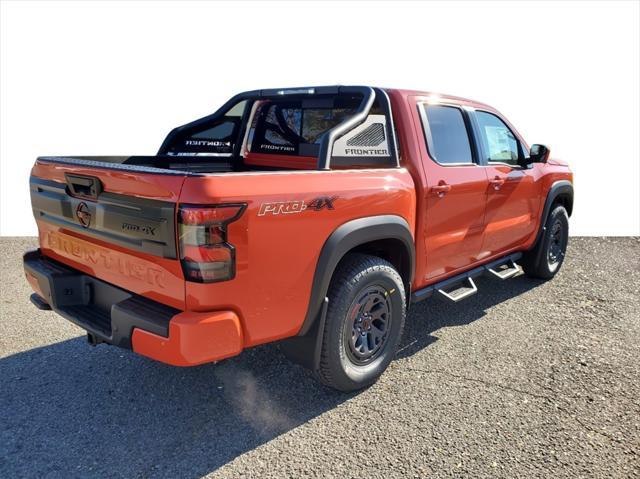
[
  {"x": 428, "y": 291},
  {"x": 106, "y": 312},
  {"x": 39, "y": 303}
]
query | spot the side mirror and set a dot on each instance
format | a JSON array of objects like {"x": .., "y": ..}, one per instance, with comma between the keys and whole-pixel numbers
[{"x": 539, "y": 154}]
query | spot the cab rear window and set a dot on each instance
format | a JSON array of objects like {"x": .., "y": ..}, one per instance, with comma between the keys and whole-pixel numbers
[{"x": 295, "y": 128}]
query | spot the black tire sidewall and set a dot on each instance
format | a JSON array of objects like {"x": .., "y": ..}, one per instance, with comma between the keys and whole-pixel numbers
[
  {"x": 558, "y": 214},
  {"x": 348, "y": 375},
  {"x": 368, "y": 372}
]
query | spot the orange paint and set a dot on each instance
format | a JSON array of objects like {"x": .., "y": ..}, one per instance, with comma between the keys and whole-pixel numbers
[
  {"x": 194, "y": 338},
  {"x": 277, "y": 254},
  {"x": 160, "y": 279},
  {"x": 33, "y": 282}
]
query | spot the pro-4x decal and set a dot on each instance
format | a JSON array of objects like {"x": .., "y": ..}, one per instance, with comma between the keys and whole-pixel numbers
[
  {"x": 297, "y": 206},
  {"x": 322, "y": 202}
]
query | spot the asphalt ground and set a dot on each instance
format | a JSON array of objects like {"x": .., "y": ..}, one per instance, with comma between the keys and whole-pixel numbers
[{"x": 525, "y": 379}]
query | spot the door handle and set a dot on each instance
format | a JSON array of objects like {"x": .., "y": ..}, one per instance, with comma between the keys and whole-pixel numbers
[
  {"x": 497, "y": 182},
  {"x": 441, "y": 189}
]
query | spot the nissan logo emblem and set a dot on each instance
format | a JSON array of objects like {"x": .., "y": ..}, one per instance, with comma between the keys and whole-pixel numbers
[{"x": 83, "y": 214}]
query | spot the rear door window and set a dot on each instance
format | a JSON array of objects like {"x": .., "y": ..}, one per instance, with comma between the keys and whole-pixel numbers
[{"x": 447, "y": 134}]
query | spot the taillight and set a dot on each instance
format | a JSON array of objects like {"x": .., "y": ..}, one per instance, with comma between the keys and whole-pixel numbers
[{"x": 205, "y": 253}]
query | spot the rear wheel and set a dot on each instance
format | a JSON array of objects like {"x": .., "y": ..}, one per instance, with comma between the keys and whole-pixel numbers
[
  {"x": 546, "y": 258},
  {"x": 365, "y": 319}
]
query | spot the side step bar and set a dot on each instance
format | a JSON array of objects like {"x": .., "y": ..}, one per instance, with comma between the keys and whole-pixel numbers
[
  {"x": 505, "y": 273},
  {"x": 463, "y": 290},
  {"x": 462, "y": 285}
]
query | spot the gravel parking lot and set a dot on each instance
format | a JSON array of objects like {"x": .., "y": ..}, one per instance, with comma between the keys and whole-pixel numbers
[{"x": 525, "y": 379}]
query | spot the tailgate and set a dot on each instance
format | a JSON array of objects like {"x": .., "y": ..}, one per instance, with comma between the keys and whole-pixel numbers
[{"x": 118, "y": 226}]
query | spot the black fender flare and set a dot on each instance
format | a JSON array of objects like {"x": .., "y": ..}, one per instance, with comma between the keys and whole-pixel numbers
[
  {"x": 560, "y": 187},
  {"x": 347, "y": 236}
]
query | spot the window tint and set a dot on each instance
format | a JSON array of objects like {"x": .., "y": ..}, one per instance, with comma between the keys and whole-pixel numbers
[
  {"x": 500, "y": 145},
  {"x": 218, "y": 132},
  {"x": 215, "y": 138},
  {"x": 283, "y": 126},
  {"x": 318, "y": 122},
  {"x": 447, "y": 138},
  {"x": 292, "y": 128}
]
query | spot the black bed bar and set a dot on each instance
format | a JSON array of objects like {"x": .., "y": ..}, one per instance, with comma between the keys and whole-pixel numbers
[{"x": 324, "y": 157}]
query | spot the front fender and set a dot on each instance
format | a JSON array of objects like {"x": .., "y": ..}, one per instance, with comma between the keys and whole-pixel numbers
[{"x": 558, "y": 188}]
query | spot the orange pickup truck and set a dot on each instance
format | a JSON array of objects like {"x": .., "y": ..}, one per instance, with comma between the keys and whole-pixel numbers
[{"x": 312, "y": 216}]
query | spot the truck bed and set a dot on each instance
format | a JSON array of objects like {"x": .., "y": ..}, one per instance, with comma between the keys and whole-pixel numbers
[{"x": 164, "y": 164}]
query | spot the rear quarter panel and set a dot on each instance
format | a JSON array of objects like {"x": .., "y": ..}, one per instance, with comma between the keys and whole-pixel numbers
[{"x": 276, "y": 254}]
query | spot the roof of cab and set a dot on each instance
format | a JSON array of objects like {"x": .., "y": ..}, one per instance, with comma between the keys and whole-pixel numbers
[
  {"x": 440, "y": 96},
  {"x": 324, "y": 89}
]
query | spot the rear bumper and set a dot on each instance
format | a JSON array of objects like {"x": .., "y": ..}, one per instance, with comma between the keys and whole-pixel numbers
[{"x": 115, "y": 316}]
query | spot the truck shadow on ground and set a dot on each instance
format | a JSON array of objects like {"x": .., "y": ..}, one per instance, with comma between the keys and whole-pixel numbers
[
  {"x": 70, "y": 410},
  {"x": 437, "y": 312}
]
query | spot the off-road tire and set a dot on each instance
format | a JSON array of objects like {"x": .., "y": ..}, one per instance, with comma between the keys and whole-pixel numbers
[
  {"x": 358, "y": 281},
  {"x": 546, "y": 258}
]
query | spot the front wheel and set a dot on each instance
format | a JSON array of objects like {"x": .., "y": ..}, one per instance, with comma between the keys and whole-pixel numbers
[
  {"x": 546, "y": 258},
  {"x": 365, "y": 320}
]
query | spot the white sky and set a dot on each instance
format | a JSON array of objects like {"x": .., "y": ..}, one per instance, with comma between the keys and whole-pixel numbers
[{"x": 94, "y": 78}]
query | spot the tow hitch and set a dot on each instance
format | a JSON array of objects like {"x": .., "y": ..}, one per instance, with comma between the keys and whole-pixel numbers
[{"x": 93, "y": 340}]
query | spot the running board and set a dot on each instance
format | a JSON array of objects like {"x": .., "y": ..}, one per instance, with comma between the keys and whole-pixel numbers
[
  {"x": 509, "y": 271},
  {"x": 461, "y": 291},
  {"x": 462, "y": 286}
]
